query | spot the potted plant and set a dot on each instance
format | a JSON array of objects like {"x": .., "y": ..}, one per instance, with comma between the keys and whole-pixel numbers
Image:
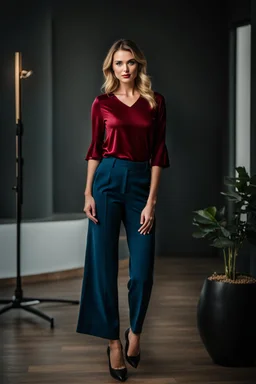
[{"x": 226, "y": 316}]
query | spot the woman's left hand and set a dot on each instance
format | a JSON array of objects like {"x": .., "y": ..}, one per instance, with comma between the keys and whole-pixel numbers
[{"x": 147, "y": 219}]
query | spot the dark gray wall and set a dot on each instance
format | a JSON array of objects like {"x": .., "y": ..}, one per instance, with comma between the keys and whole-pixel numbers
[
  {"x": 187, "y": 56},
  {"x": 239, "y": 11},
  {"x": 186, "y": 45},
  {"x": 27, "y": 30}
]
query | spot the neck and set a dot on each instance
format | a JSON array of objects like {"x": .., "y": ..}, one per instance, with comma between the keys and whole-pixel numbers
[{"x": 126, "y": 89}]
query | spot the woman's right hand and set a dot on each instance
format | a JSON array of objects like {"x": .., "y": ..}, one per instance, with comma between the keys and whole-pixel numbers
[{"x": 90, "y": 208}]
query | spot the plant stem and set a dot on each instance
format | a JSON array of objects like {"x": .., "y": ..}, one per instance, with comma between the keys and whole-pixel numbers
[
  {"x": 225, "y": 261},
  {"x": 234, "y": 265},
  {"x": 229, "y": 262},
  {"x": 234, "y": 269}
]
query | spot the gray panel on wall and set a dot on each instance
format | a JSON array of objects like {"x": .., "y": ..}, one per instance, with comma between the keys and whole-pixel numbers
[{"x": 253, "y": 115}]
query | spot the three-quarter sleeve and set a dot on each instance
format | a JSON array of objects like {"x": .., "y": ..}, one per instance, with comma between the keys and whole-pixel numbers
[
  {"x": 160, "y": 153},
  {"x": 98, "y": 129}
]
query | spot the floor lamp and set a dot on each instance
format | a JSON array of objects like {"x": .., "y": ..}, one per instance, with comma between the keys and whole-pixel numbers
[{"x": 18, "y": 301}]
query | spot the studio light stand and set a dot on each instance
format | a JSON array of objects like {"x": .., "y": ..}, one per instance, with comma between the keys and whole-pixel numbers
[{"x": 18, "y": 301}]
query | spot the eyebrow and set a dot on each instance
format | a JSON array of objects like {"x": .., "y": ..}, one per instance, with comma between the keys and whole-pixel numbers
[{"x": 127, "y": 60}]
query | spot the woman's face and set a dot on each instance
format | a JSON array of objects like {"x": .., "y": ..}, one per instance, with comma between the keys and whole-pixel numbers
[{"x": 124, "y": 66}]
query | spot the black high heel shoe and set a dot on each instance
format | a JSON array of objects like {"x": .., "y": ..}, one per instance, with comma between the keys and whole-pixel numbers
[
  {"x": 118, "y": 374},
  {"x": 132, "y": 360}
]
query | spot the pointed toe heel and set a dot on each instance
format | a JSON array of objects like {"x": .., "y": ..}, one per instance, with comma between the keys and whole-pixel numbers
[
  {"x": 118, "y": 374},
  {"x": 132, "y": 360}
]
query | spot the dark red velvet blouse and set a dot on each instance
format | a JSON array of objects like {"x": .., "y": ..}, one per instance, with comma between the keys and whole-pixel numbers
[{"x": 135, "y": 133}]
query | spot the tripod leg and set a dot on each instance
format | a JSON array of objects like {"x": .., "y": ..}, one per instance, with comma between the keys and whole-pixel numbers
[
  {"x": 39, "y": 313},
  {"x": 42, "y": 300},
  {"x": 5, "y": 301},
  {"x": 6, "y": 308}
]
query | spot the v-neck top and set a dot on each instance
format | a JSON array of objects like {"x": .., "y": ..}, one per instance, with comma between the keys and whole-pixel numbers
[{"x": 135, "y": 132}]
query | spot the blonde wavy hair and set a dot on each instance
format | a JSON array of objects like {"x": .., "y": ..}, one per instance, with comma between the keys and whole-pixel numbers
[{"x": 142, "y": 80}]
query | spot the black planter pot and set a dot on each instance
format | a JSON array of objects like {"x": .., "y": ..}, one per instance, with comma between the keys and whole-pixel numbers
[{"x": 226, "y": 320}]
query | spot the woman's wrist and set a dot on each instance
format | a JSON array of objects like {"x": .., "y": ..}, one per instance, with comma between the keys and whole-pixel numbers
[{"x": 151, "y": 201}]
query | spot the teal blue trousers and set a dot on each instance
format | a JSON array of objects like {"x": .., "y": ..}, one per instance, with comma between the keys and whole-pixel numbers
[{"x": 120, "y": 190}]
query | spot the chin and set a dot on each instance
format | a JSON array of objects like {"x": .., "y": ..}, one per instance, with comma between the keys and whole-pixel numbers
[{"x": 127, "y": 80}]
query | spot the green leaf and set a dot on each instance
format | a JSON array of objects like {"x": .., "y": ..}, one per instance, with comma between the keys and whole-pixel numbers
[
  {"x": 229, "y": 198},
  {"x": 211, "y": 210},
  {"x": 223, "y": 222},
  {"x": 222, "y": 242},
  {"x": 233, "y": 195},
  {"x": 205, "y": 213},
  {"x": 208, "y": 228},
  {"x": 230, "y": 180},
  {"x": 201, "y": 220},
  {"x": 222, "y": 232},
  {"x": 225, "y": 232},
  {"x": 239, "y": 182},
  {"x": 199, "y": 234},
  {"x": 222, "y": 211},
  {"x": 242, "y": 172},
  {"x": 220, "y": 214}
]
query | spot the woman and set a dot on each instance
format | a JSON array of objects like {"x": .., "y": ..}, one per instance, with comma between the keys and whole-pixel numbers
[{"x": 125, "y": 159}]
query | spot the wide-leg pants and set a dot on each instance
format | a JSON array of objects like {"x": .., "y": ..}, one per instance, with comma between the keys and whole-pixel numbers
[{"x": 120, "y": 189}]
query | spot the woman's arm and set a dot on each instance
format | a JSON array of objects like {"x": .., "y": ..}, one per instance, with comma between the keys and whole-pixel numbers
[
  {"x": 154, "y": 185},
  {"x": 92, "y": 166},
  {"x": 94, "y": 156},
  {"x": 159, "y": 160},
  {"x": 147, "y": 215},
  {"x": 89, "y": 204}
]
